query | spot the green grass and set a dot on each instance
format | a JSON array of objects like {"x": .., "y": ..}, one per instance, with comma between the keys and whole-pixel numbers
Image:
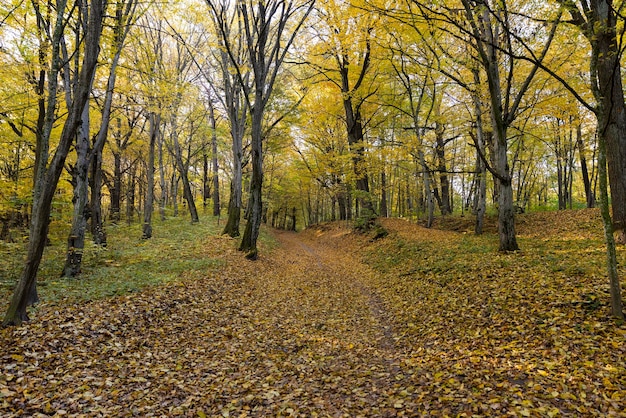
[{"x": 177, "y": 250}]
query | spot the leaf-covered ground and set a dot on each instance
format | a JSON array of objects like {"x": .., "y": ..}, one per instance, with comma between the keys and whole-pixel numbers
[{"x": 329, "y": 323}]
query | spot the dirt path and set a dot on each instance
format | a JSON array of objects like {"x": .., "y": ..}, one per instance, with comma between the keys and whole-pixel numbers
[{"x": 297, "y": 333}]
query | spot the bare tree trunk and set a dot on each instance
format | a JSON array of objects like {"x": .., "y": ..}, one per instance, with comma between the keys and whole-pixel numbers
[
  {"x": 76, "y": 238},
  {"x": 155, "y": 122},
  {"x": 615, "y": 287},
  {"x": 234, "y": 204},
  {"x": 124, "y": 14},
  {"x": 163, "y": 186},
  {"x": 115, "y": 195},
  {"x": 612, "y": 126},
  {"x": 589, "y": 197},
  {"x": 383, "y": 194},
  {"x": 443, "y": 171},
  {"x": 206, "y": 186},
  {"x": 97, "y": 227},
  {"x": 251, "y": 233},
  {"x": 182, "y": 169},
  {"x": 130, "y": 195},
  {"x": 428, "y": 190},
  {"x": 356, "y": 140},
  {"x": 47, "y": 178},
  {"x": 215, "y": 165},
  {"x": 174, "y": 192}
]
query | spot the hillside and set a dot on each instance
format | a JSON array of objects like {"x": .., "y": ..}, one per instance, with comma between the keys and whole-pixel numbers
[{"x": 331, "y": 323}]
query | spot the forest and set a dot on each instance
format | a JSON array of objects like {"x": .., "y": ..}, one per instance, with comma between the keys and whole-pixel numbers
[{"x": 163, "y": 145}]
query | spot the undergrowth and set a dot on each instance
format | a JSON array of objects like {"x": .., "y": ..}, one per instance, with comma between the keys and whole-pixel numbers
[{"x": 128, "y": 264}]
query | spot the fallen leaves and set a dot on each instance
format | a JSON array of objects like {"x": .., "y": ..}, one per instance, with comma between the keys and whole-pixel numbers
[{"x": 431, "y": 323}]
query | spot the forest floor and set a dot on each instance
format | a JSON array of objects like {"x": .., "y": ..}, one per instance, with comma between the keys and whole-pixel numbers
[{"x": 329, "y": 322}]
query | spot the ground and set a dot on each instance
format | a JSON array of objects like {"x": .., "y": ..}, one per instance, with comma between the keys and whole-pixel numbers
[{"x": 329, "y": 322}]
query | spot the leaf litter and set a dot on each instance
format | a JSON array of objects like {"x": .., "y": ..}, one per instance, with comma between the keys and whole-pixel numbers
[{"x": 329, "y": 323}]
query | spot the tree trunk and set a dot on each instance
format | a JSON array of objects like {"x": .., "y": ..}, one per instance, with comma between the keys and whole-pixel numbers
[
  {"x": 76, "y": 238},
  {"x": 174, "y": 192},
  {"x": 215, "y": 165},
  {"x": 130, "y": 195},
  {"x": 502, "y": 175},
  {"x": 182, "y": 169},
  {"x": 235, "y": 201},
  {"x": 97, "y": 227},
  {"x": 612, "y": 129},
  {"x": 615, "y": 287},
  {"x": 428, "y": 190},
  {"x": 206, "y": 186},
  {"x": 384, "y": 212},
  {"x": 589, "y": 197},
  {"x": 251, "y": 233},
  {"x": 115, "y": 195},
  {"x": 443, "y": 171},
  {"x": 292, "y": 226},
  {"x": 163, "y": 186},
  {"x": 155, "y": 122},
  {"x": 46, "y": 180},
  {"x": 356, "y": 140}
]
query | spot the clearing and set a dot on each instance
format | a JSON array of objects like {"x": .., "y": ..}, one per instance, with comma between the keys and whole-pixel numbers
[{"x": 331, "y": 323}]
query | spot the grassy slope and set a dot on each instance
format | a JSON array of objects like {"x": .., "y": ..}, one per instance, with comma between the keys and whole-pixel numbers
[
  {"x": 178, "y": 249},
  {"x": 530, "y": 329}
]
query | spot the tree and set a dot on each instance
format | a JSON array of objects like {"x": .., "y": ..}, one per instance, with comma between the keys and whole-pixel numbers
[
  {"x": 346, "y": 34},
  {"x": 491, "y": 33},
  {"x": 232, "y": 96},
  {"x": 268, "y": 38},
  {"x": 88, "y": 156},
  {"x": 597, "y": 20},
  {"x": 47, "y": 173}
]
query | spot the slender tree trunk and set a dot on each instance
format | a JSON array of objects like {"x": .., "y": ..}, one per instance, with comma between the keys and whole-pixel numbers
[
  {"x": 174, "y": 192},
  {"x": 234, "y": 205},
  {"x": 115, "y": 195},
  {"x": 155, "y": 122},
  {"x": 76, "y": 238},
  {"x": 384, "y": 212},
  {"x": 124, "y": 13},
  {"x": 215, "y": 166},
  {"x": 97, "y": 222},
  {"x": 206, "y": 186},
  {"x": 25, "y": 293},
  {"x": 163, "y": 186},
  {"x": 182, "y": 169},
  {"x": 292, "y": 225},
  {"x": 443, "y": 171},
  {"x": 428, "y": 190},
  {"x": 589, "y": 197},
  {"x": 130, "y": 195},
  {"x": 251, "y": 233}
]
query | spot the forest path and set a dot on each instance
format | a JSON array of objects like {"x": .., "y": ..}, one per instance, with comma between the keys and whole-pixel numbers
[{"x": 298, "y": 332}]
